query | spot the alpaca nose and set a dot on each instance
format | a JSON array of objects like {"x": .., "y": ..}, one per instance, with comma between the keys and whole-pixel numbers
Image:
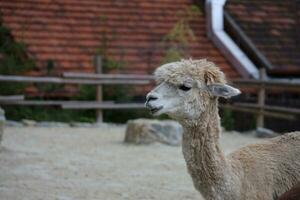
[{"x": 150, "y": 97}]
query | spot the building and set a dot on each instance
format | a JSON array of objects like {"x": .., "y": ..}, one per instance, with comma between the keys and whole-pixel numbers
[{"x": 134, "y": 36}]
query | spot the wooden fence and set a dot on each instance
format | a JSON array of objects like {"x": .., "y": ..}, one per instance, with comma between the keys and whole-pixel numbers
[
  {"x": 97, "y": 79},
  {"x": 259, "y": 109}
]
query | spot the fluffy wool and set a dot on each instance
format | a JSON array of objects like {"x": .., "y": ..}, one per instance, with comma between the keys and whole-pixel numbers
[{"x": 202, "y": 71}]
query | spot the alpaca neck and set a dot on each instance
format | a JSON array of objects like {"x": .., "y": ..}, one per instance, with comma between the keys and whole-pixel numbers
[{"x": 205, "y": 160}]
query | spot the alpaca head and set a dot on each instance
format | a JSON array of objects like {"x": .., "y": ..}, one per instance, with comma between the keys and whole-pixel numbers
[{"x": 185, "y": 88}]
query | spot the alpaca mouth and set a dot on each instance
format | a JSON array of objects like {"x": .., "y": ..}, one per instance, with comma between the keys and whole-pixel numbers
[{"x": 155, "y": 110}]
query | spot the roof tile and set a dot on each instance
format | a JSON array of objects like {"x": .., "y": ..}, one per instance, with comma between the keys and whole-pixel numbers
[{"x": 273, "y": 26}]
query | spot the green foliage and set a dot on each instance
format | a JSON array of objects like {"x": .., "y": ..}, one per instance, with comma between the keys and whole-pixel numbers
[
  {"x": 86, "y": 93},
  {"x": 172, "y": 54},
  {"x": 234, "y": 120},
  {"x": 181, "y": 31},
  {"x": 50, "y": 67},
  {"x": 55, "y": 113},
  {"x": 227, "y": 119},
  {"x": 121, "y": 94},
  {"x": 48, "y": 114},
  {"x": 110, "y": 64},
  {"x": 13, "y": 61},
  {"x": 180, "y": 35},
  {"x": 49, "y": 88}
]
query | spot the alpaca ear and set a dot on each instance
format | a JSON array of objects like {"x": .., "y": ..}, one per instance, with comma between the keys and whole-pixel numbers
[{"x": 225, "y": 91}]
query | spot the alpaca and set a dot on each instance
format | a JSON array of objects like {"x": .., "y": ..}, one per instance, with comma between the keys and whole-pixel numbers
[{"x": 188, "y": 91}]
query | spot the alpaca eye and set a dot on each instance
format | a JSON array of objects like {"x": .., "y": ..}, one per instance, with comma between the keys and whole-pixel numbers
[{"x": 184, "y": 88}]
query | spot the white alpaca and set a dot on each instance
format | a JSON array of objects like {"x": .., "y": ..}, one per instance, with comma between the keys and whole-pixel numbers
[{"x": 188, "y": 91}]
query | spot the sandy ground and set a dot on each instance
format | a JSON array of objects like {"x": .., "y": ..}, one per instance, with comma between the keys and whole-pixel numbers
[{"x": 93, "y": 163}]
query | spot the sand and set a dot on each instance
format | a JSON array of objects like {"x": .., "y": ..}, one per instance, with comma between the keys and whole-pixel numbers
[{"x": 94, "y": 163}]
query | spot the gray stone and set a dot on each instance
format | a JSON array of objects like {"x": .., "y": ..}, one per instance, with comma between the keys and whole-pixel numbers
[
  {"x": 265, "y": 133},
  {"x": 28, "y": 122},
  {"x": 52, "y": 124},
  {"x": 11, "y": 123},
  {"x": 2, "y": 123},
  {"x": 146, "y": 131}
]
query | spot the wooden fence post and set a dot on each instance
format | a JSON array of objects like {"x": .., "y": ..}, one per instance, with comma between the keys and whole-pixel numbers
[
  {"x": 99, "y": 97},
  {"x": 261, "y": 100}
]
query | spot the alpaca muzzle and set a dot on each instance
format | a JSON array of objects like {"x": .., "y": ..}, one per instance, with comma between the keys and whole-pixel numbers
[{"x": 149, "y": 99}]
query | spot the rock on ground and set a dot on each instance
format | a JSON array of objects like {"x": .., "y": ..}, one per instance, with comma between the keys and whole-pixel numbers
[
  {"x": 265, "y": 133},
  {"x": 146, "y": 131},
  {"x": 28, "y": 122},
  {"x": 11, "y": 123}
]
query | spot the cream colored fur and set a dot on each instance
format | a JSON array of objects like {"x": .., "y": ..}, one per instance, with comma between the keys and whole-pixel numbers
[{"x": 256, "y": 172}]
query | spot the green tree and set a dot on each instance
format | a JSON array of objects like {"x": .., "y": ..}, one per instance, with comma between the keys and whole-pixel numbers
[
  {"x": 13, "y": 61},
  {"x": 180, "y": 35}
]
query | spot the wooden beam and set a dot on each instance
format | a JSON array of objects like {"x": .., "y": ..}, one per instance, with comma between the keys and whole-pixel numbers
[
  {"x": 256, "y": 110},
  {"x": 99, "y": 95},
  {"x": 76, "y": 104},
  {"x": 108, "y": 76},
  {"x": 34, "y": 102},
  {"x": 50, "y": 102},
  {"x": 31, "y": 79},
  {"x": 260, "y": 120},
  {"x": 272, "y": 83},
  {"x": 12, "y": 98},
  {"x": 95, "y": 105},
  {"x": 294, "y": 111}
]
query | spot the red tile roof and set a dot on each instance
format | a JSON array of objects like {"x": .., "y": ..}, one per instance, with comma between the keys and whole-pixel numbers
[
  {"x": 274, "y": 27},
  {"x": 69, "y": 32}
]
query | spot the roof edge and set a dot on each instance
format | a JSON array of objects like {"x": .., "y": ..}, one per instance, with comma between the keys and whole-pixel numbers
[
  {"x": 237, "y": 34},
  {"x": 215, "y": 31}
]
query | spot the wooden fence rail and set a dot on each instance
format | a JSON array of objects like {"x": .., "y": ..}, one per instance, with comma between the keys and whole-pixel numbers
[
  {"x": 108, "y": 76},
  {"x": 12, "y": 98},
  {"x": 59, "y": 80},
  {"x": 268, "y": 83},
  {"x": 77, "y": 105},
  {"x": 255, "y": 111}
]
